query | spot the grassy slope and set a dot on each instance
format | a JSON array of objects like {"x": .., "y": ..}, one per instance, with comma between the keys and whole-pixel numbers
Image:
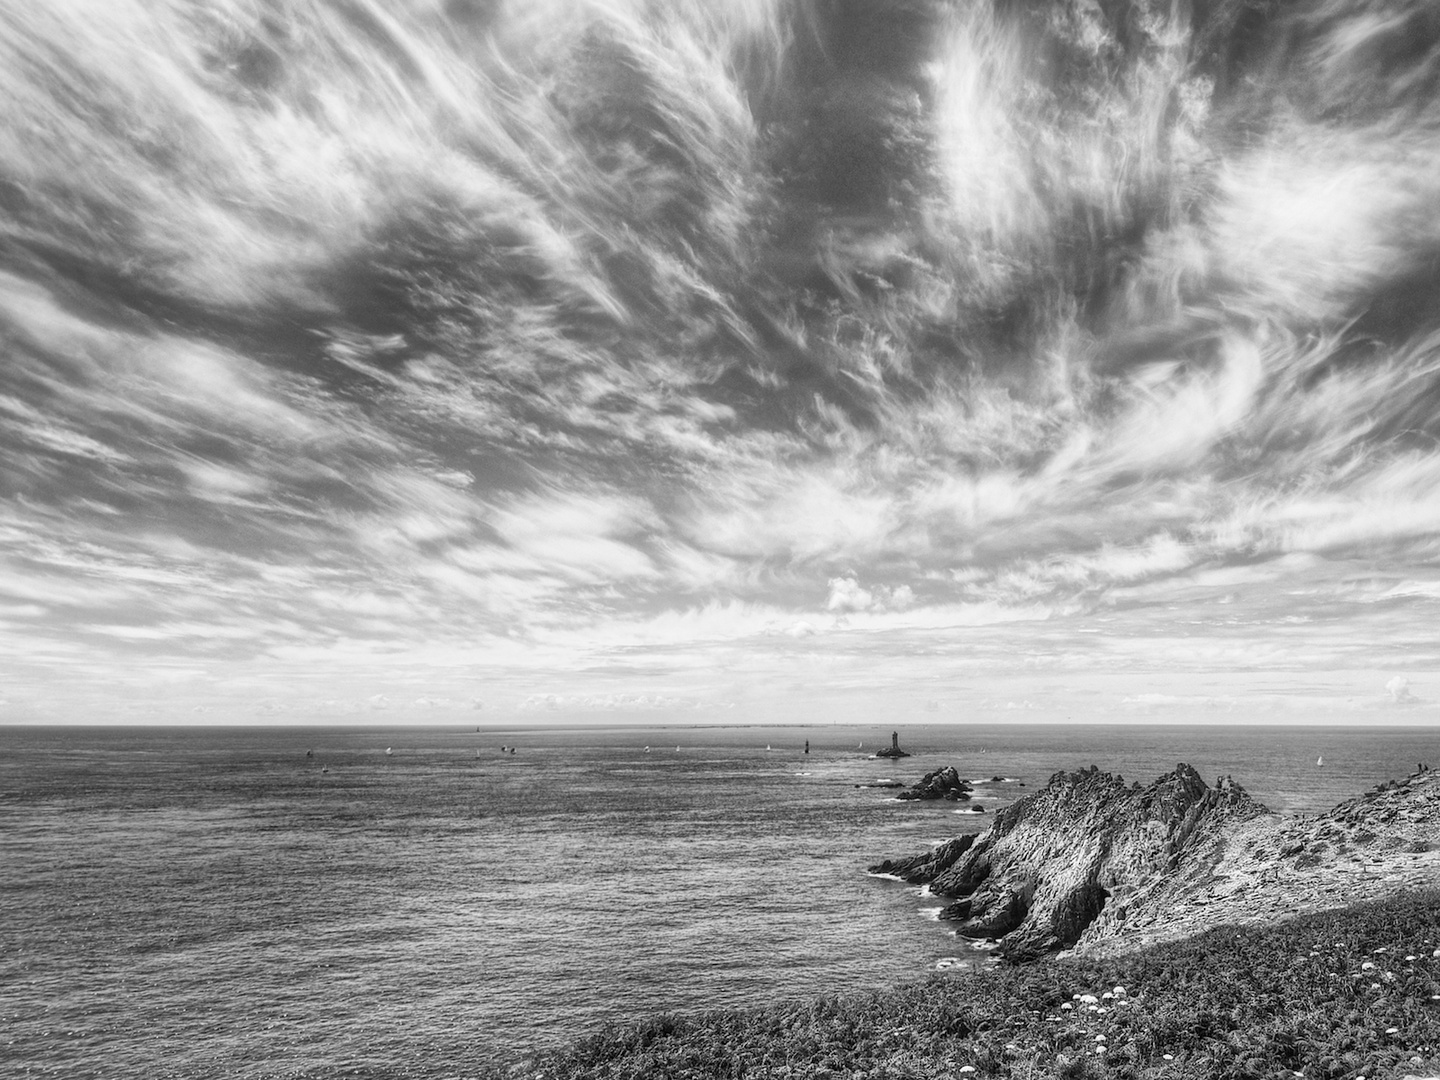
[{"x": 1231, "y": 1003}]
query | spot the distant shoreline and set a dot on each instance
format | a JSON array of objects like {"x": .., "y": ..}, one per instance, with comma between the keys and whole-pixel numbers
[{"x": 876, "y": 731}]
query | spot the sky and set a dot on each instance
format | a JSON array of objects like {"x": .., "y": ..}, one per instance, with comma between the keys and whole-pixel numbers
[{"x": 719, "y": 362}]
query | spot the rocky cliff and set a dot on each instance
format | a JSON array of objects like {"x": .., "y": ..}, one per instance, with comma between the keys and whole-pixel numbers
[
  {"x": 1268, "y": 868},
  {"x": 1091, "y": 863}
]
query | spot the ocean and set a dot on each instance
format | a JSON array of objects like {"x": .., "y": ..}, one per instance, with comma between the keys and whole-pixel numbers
[
  {"x": 321, "y": 902},
  {"x": 268, "y": 902}
]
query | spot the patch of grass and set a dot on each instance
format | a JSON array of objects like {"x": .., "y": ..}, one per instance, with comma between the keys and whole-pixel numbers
[{"x": 1335, "y": 996}]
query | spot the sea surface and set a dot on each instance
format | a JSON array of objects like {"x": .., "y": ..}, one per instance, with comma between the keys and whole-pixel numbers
[{"x": 252, "y": 902}]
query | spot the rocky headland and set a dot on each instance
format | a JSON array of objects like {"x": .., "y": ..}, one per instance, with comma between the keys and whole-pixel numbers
[{"x": 1093, "y": 865}]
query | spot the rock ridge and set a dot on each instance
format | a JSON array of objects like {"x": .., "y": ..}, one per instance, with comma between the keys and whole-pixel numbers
[
  {"x": 1266, "y": 868},
  {"x": 1093, "y": 865},
  {"x": 1074, "y": 856}
]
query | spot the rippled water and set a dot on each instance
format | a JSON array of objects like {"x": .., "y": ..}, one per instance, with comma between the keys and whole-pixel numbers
[{"x": 214, "y": 902}]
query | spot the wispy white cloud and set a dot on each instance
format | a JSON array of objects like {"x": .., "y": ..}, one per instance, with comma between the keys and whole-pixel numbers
[{"x": 412, "y": 362}]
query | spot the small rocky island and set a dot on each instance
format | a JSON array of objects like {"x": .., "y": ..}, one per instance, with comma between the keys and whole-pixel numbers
[
  {"x": 893, "y": 750},
  {"x": 1096, "y": 866},
  {"x": 941, "y": 784}
]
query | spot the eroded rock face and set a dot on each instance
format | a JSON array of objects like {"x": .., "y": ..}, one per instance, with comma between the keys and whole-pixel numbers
[
  {"x": 921, "y": 869},
  {"x": 1079, "y": 853},
  {"x": 1258, "y": 870}
]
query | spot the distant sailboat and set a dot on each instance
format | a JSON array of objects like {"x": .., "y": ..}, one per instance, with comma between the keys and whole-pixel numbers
[{"x": 1320, "y": 760}]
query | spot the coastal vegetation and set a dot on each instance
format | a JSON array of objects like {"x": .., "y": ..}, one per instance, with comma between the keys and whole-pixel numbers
[{"x": 1336, "y": 995}]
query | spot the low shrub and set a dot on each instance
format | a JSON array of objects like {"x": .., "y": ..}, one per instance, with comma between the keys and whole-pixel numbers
[{"x": 1335, "y": 995}]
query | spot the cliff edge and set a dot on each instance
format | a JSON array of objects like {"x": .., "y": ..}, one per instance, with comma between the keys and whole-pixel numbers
[
  {"x": 1269, "y": 868},
  {"x": 1091, "y": 864}
]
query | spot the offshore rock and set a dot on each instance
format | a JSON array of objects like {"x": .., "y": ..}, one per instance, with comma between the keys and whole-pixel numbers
[
  {"x": 1076, "y": 856},
  {"x": 941, "y": 784},
  {"x": 893, "y": 750}
]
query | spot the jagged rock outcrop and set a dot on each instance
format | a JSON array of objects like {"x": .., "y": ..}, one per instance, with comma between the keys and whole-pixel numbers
[
  {"x": 1091, "y": 865},
  {"x": 1268, "y": 868},
  {"x": 941, "y": 784},
  {"x": 924, "y": 868},
  {"x": 1077, "y": 854}
]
